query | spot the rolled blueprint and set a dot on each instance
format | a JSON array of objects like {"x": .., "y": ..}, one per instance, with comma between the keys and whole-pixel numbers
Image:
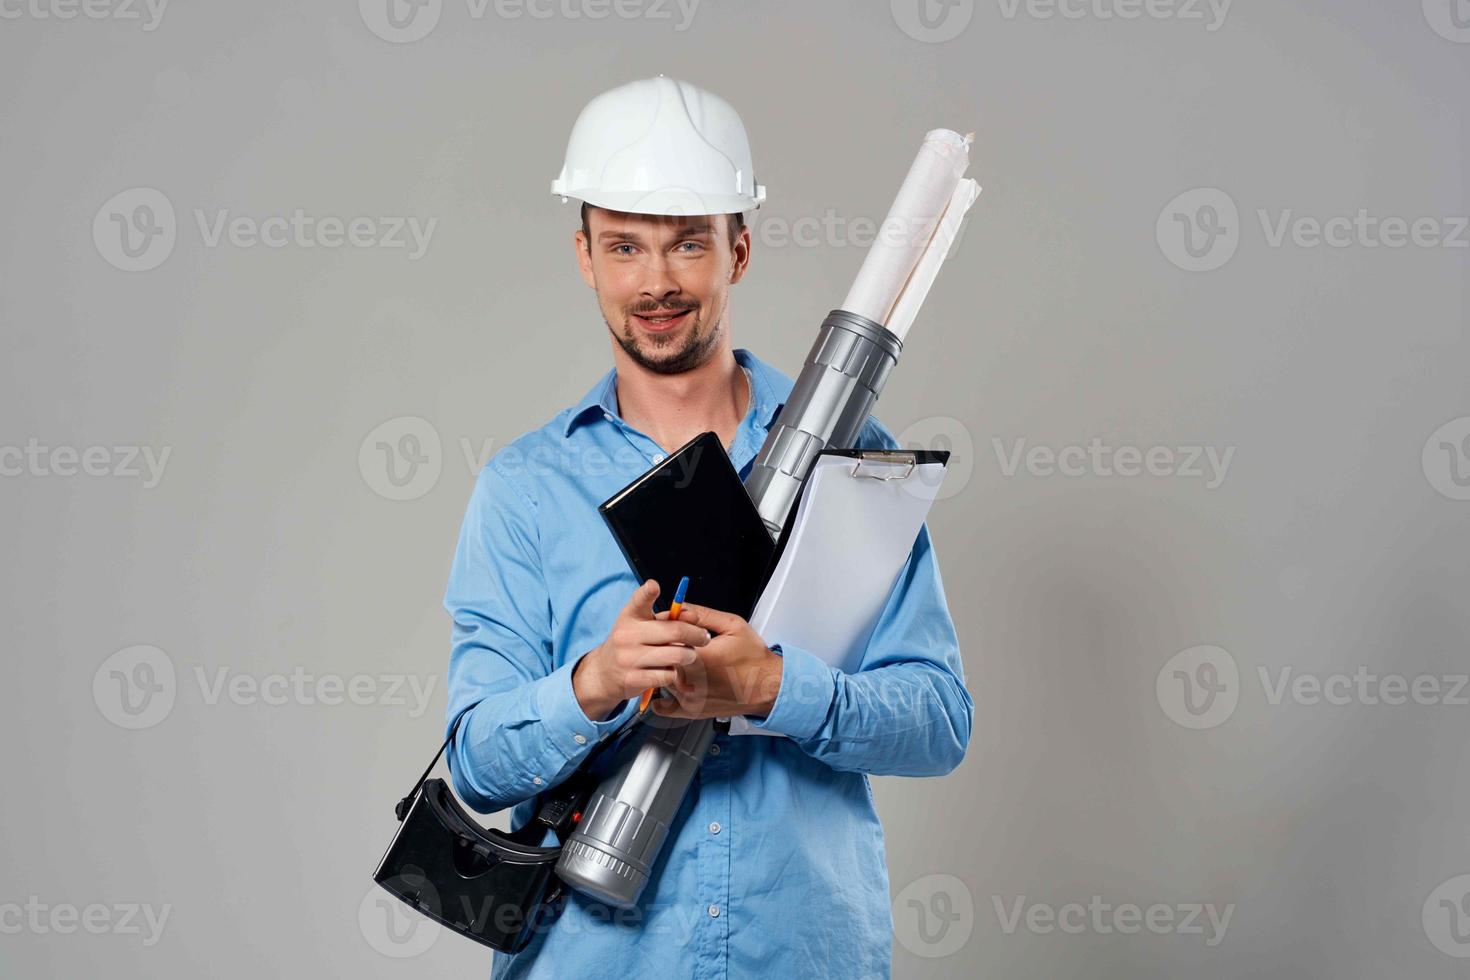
[
  {"x": 914, "y": 291},
  {"x": 906, "y": 232}
]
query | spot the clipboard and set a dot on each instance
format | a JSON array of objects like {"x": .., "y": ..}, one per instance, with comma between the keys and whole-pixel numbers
[{"x": 841, "y": 551}]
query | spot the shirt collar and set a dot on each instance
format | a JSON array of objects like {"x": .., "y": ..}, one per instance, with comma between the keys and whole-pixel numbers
[{"x": 768, "y": 391}]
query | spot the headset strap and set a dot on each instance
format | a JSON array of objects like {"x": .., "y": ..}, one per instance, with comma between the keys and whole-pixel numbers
[{"x": 402, "y": 808}]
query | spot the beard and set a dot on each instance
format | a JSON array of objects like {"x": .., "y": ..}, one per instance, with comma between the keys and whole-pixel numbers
[{"x": 674, "y": 353}]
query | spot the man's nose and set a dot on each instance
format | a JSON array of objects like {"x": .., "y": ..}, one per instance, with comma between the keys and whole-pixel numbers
[{"x": 659, "y": 280}]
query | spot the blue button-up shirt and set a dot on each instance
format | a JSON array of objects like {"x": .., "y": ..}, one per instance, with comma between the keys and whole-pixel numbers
[{"x": 775, "y": 864}]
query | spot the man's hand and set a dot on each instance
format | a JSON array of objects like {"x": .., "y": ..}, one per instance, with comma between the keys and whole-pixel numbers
[
  {"x": 735, "y": 672},
  {"x": 641, "y": 651}
]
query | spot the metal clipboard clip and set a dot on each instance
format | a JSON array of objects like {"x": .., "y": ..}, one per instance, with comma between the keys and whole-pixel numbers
[{"x": 887, "y": 457}]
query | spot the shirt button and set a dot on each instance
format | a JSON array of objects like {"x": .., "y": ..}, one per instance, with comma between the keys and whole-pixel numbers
[
  {"x": 536, "y": 780},
  {"x": 714, "y": 911},
  {"x": 580, "y": 739},
  {"x": 714, "y": 827},
  {"x": 658, "y": 457},
  {"x": 714, "y": 750}
]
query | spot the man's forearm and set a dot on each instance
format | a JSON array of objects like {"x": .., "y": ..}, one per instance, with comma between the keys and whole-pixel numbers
[
  {"x": 902, "y": 719},
  {"x": 517, "y": 742}
]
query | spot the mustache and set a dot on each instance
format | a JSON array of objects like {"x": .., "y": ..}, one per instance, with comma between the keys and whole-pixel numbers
[{"x": 665, "y": 310}]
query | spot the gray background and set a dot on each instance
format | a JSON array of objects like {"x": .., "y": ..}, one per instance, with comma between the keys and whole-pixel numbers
[{"x": 1334, "y": 542}]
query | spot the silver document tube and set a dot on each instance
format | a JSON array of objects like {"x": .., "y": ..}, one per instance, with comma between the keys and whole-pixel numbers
[{"x": 838, "y": 384}]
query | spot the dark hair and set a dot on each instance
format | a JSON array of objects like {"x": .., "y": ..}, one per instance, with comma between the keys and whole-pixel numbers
[{"x": 736, "y": 222}]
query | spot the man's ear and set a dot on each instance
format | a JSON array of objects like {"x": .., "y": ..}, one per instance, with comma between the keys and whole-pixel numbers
[
  {"x": 584, "y": 258},
  {"x": 740, "y": 254}
]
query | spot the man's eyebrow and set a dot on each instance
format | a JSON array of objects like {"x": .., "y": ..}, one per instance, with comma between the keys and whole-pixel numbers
[{"x": 683, "y": 231}]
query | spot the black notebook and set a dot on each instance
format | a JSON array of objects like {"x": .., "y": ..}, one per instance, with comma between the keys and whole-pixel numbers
[{"x": 690, "y": 515}]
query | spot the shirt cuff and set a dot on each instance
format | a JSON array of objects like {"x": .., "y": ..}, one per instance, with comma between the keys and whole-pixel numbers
[
  {"x": 807, "y": 688},
  {"x": 567, "y": 725}
]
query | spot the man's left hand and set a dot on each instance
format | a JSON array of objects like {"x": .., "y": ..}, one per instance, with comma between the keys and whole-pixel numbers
[{"x": 734, "y": 674}]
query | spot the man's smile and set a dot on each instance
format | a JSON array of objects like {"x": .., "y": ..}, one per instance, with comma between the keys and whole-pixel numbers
[{"x": 663, "y": 321}]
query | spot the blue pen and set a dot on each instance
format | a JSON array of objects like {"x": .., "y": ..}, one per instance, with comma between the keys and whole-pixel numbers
[{"x": 673, "y": 614}]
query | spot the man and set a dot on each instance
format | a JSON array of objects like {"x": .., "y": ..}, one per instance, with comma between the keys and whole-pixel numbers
[{"x": 775, "y": 864}]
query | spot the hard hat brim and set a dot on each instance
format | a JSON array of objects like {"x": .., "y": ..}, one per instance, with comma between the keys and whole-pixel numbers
[{"x": 666, "y": 202}]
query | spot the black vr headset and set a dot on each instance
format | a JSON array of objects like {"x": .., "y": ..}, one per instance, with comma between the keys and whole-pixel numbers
[{"x": 486, "y": 885}]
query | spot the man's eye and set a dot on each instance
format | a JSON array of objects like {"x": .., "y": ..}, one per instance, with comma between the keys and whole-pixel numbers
[
  {"x": 618, "y": 249},
  {"x": 694, "y": 246}
]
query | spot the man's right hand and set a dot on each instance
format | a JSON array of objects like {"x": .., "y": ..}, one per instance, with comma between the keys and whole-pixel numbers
[{"x": 642, "y": 651}]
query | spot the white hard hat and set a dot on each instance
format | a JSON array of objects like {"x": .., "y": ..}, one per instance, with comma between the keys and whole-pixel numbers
[{"x": 660, "y": 146}]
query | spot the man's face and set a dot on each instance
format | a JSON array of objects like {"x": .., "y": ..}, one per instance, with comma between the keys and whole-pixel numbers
[{"x": 663, "y": 283}]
